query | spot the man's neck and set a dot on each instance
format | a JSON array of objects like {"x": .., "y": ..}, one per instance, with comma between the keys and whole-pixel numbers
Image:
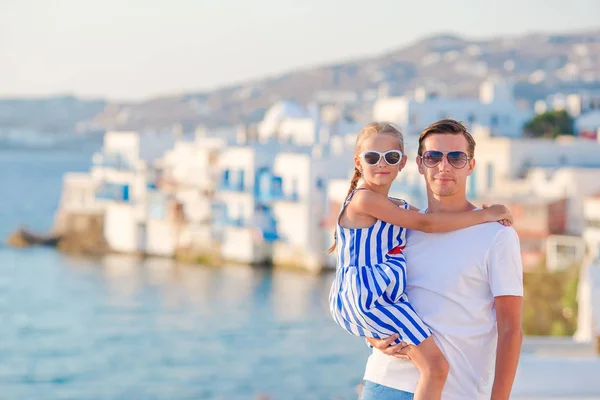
[{"x": 456, "y": 203}]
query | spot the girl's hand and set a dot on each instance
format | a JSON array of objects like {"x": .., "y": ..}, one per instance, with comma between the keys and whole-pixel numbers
[{"x": 498, "y": 213}]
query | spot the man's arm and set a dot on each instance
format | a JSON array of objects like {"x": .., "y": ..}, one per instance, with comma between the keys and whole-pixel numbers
[
  {"x": 505, "y": 273},
  {"x": 510, "y": 338}
]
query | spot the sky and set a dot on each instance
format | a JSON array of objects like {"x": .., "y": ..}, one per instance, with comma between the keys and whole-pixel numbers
[{"x": 136, "y": 49}]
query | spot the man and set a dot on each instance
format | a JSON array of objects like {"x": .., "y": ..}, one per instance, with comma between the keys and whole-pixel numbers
[{"x": 466, "y": 285}]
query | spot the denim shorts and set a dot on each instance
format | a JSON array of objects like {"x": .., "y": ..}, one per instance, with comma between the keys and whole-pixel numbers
[{"x": 374, "y": 391}]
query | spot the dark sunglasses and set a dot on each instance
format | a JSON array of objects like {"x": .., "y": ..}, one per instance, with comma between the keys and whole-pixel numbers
[
  {"x": 433, "y": 158},
  {"x": 372, "y": 157}
]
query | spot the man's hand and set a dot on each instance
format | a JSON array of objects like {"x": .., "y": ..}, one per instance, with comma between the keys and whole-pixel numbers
[{"x": 399, "y": 350}]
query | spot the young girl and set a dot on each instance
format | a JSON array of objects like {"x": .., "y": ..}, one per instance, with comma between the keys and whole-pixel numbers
[{"x": 367, "y": 295}]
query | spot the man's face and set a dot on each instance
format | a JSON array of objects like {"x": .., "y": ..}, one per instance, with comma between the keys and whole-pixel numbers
[{"x": 445, "y": 179}]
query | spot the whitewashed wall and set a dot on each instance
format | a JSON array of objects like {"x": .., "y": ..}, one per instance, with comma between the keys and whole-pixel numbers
[
  {"x": 161, "y": 239},
  {"x": 121, "y": 229}
]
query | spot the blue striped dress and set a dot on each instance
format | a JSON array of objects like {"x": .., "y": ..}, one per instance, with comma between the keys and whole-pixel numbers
[{"x": 367, "y": 295}]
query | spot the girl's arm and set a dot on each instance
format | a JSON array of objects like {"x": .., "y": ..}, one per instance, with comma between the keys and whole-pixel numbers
[{"x": 373, "y": 204}]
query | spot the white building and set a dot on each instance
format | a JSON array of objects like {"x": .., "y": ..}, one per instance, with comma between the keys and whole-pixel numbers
[
  {"x": 301, "y": 203},
  {"x": 121, "y": 174},
  {"x": 192, "y": 164},
  {"x": 243, "y": 171},
  {"x": 115, "y": 187},
  {"x": 544, "y": 168},
  {"x": 575, "y": 103},
  {"x": 289, "y": 122},
  {"x": 278, "y": 113},
  {"x": 495, "y": 108},
  {"x": 78, "y": 194},
  {"x": 119, "y": 168},
  {"x": 137, "y": 218},
  {"x": 190, "y": 173}
]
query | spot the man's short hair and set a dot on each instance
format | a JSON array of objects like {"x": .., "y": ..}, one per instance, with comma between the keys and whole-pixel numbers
[{"x": 447, "y": 127}]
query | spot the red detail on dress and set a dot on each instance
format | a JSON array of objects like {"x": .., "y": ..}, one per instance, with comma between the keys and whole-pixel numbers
[{"x": 396, "y": 250}]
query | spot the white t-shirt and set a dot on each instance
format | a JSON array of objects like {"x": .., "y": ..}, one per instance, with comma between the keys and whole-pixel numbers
[{"x": 452, "y": 281}]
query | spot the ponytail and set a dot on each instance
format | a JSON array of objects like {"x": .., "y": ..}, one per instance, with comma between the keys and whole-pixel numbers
[{"x": 353, "y": 184}]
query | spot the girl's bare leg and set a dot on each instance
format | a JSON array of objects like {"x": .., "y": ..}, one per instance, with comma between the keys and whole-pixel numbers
[{"x": 433, "y": 367}]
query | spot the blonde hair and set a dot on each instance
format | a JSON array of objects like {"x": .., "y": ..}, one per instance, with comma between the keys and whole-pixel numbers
[{"x": 374, "y": 128}]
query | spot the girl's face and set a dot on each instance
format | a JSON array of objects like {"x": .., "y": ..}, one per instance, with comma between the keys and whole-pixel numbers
[{"x": 382, "y": 173}]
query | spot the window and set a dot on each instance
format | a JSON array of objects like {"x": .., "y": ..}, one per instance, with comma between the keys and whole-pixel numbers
[
  {"x": 565, "y": 249},
  {"x": 241, "y": 181},
  {"x": 226, "y": 178},
  {"x": 490, "y": 176},
  {"x": 240, "y": 218},
  {"x": 263, "y": 183},
  {"x": 593, "y": 223},
  {"x": 277, "y": 186},
  {"x": 294, "y": 194},
  {"x": 320, "y": 184}
]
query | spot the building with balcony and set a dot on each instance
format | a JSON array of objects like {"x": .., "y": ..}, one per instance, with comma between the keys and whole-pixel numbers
[
  {"x": 241, "y": 213},
  {"x": 301, "y": 203},
  {"x": 134, "y": 211}
]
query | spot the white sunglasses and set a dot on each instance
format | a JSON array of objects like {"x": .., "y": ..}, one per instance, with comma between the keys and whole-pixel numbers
[{"x": 372, "y": 157}]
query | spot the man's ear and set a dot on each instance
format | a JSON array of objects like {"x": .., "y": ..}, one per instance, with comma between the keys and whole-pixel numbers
[
  {"x": 420, "y": 165},
  {"x": 471, "y": 166}
]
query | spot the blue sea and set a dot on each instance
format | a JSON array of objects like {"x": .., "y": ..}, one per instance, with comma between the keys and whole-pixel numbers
[{"x": 124, "y": 328}]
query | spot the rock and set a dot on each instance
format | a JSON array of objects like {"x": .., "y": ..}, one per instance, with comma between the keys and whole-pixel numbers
[
  {"x": 197, "y": 256},
  {"x": 24, "y": 238},
  {"x": 73, "y": 233},
  {"x": 16, "y": 240},
  {"x": 81, "y": 233}
]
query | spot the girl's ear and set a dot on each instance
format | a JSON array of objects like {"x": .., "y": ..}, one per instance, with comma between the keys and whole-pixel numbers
[
  {"x": 357, "y": 163},
  {"x": 402, "y": 162}
]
